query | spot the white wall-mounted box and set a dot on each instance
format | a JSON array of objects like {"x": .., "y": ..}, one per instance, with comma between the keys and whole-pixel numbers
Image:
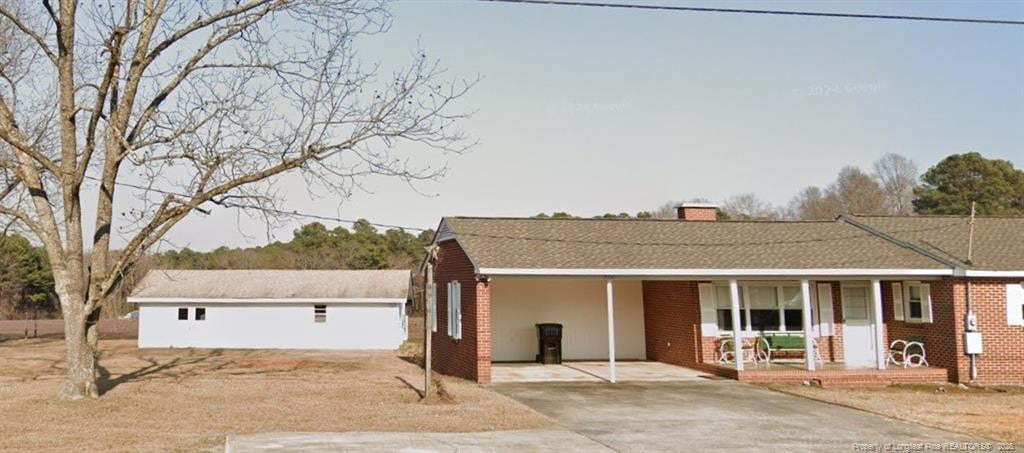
[{"x": 972, "y": 342}]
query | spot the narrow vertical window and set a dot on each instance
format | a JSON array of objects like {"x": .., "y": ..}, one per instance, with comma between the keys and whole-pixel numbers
[
  {"x": 200, "y": 314},
  {"x": 319, "y": 313},
  {"x": 182, "y": 314}
]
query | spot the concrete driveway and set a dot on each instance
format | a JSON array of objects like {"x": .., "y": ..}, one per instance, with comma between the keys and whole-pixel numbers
[{"x": 713, "y": 415}]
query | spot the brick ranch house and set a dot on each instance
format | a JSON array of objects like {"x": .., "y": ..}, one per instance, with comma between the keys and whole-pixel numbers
[{"x": 671, "y": 291}]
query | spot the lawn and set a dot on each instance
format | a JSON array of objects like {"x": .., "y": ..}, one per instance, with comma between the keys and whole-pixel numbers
[
  {"x": 995, "y": 413},
  {"x": 189, "y": 399}
]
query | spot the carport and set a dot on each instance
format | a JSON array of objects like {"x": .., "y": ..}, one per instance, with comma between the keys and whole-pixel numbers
[{"x": 602, "y": 319}]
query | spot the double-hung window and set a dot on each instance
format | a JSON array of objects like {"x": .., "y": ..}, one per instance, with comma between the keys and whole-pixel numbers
[
  {"x": 917, "y": 302},
  {"x": 763, "y": 307}
]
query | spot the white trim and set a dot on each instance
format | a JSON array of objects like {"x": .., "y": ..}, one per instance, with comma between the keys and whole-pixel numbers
[
  {"x": 877, "y": 320},
  {"x": 492, "y": 271},
  {"x": 295, "y": 300},
  {"x": 610, "y": 295},
  {"x": 698, "y": 205},
  {"x": 1010, "y": 274}
]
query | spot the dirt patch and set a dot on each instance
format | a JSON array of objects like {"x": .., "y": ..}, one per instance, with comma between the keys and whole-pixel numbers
[
  {"x": 991, "y": 412},
  {"x": 189, "y": 399}
]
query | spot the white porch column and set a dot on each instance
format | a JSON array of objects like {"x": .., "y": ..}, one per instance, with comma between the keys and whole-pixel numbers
[
  {"x": 805, "y": 290},
  {"x": 611, "y": 329},
  {"x": 737, "y": 338},
  {"x": 876, "y": 299}
]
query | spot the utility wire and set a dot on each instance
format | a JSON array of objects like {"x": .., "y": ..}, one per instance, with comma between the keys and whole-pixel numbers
[
  {"x": 227, "y": 204},
  {"x": 763, "y": 12}
]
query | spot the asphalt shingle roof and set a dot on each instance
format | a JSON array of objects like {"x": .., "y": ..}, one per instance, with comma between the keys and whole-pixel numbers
[
  {"x": 670, "y": 244},
  {"x": 274, "y": 284},
  {"x": 998, "y": 241}
]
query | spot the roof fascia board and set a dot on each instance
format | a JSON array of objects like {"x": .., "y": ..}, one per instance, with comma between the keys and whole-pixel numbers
[
  {"x": 289, "y": 300},
  {"x": 1009, "y": 274},
  {"x": 718, "y": 272}
]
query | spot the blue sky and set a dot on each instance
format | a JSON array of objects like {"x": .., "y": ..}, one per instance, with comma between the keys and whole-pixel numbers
[{"x": 593, "y": 110}]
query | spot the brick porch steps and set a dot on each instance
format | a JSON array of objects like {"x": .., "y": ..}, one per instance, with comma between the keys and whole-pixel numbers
[{"x": 838, "y": 377}]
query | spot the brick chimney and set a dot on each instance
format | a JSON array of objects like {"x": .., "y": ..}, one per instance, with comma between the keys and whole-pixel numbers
[{"x": 703, "y": 212}]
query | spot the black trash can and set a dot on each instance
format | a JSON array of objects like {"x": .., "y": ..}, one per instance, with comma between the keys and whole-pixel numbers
[{"x": 549, "y": 341}]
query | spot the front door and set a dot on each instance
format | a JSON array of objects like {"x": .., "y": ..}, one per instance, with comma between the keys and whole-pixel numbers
[{"x": 858, "y": 337}]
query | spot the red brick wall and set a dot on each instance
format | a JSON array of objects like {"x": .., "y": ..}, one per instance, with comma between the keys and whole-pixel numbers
[
  {"x": 1003, "y": 359},
  {"x": 939, "y": 335},
  {"x": 470, "y": 356},
  {"x": 672, "y": 323}
]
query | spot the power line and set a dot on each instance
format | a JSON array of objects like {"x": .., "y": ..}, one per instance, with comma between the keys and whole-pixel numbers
[
  {"x": 228, "y": 204},
  {"x": 763, "y": 11}
]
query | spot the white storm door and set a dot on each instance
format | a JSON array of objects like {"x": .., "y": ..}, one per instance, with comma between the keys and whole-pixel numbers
[{"x": 858, "y": 331}]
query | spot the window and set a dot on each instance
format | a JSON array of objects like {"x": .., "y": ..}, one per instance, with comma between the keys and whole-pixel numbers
[
  {"x": 723, "y": 302},
  {"x": 914, "y": 301},
  {"x": 200, "y": 314},
  {"x": 319, "y": 313},
  {"x": 763, "y": 304},
  {"x": 770, "y": 307},
  {"x": 792, "y": 307},
  {"x": 182, "y": 314}
]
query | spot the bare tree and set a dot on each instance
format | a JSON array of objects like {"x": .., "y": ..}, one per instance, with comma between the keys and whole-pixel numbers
[
  {"x": 191, "y": 104},
  {"x": 898, "y": 178},
  {"x": 748, "y": 206},
  {"x": 853, "y": 192}
]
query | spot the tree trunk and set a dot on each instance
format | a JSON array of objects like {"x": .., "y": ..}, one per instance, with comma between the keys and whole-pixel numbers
[{"x": 81, "y": 354}]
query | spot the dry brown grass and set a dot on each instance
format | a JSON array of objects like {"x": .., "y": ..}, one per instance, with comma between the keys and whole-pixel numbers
[
  {"x": 991, "y": 412},
  {"x": 189, "y": 399}
]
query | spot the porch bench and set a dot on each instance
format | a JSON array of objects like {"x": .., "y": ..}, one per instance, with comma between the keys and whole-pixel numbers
[{"x": 788, "y": 343}]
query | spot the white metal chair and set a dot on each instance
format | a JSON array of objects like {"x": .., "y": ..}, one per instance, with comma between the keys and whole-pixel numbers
[
  {"x": 753, "y": 349},
  {"x": 908, "y": 353}
]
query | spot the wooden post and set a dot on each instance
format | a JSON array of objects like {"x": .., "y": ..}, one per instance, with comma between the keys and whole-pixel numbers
[
  {"x": 880, "y": 347},
  {"x": 737, "y": 337},
  {"x": 610, "y": 294},
  {"x": 428, "y": 319},
  {"x": 805, "y": 291}
]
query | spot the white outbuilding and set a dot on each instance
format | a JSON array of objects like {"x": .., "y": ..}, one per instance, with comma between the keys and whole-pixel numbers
[{"x": 284, "y": 309}]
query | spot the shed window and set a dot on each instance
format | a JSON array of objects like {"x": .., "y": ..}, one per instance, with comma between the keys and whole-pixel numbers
[
  {"x": 319, "y": 313},
  {"x": 200, "y": 314},
  {"x": 182, "y": 314}
]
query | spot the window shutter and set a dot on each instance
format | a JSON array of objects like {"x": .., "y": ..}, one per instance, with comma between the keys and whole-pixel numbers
[
  {"x": 433, "y": 307},
  {"x": 448, "y": 304},
  {"x": 708, "y": 314},
  {"x": 926, "y": 303},
  {"x": 457, "y": 304},
  {"x": 825, "y": 309},
  {"x": 897, "y": 301},
  {"x": 1015, "y": 304}
]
